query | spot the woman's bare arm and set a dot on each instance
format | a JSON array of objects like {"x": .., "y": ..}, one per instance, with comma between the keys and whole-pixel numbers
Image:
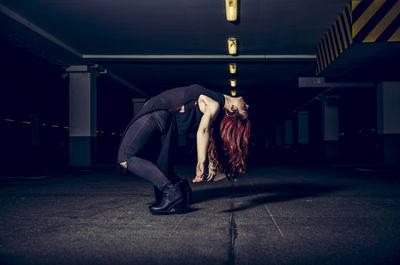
[{"x": 210, "y": 109}]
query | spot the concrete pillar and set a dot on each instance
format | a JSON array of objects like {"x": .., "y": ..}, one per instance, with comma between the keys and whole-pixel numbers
[
  {"x": 388, "y": 113},
  {"x": 302, "y": 127},
  {"x": 82, "y": 116},
  {"x": 269, "y": 138},
  {"x": 278, "y": 135},
  {"x": 330, "y": 129},
  {"x": 288, "y": 132},
  {"x": 35, "y": 155},
  {"x": 137, "y": 105},
  {"x": 35, "y": 130}
]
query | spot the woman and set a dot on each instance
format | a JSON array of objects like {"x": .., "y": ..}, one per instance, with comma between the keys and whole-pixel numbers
[{"x": 223, "y": 131}]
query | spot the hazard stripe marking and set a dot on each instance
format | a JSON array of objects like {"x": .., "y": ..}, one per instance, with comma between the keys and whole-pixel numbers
[
  {"x": 354, "y": 4},
  {"x": 345, "y": 43},
  {"x": 328, "y": 39},
  {"x": 318, "y": 64},
  {"x": 338, "y": 37},
  {"x": 383, "y": 24},
  {"x": 347, "y": 21},
  {"x": 366, "y": 16},
  {"x": 374, "y": 20},
  {"x": 328, "y": 57},
  {"x": 360, "y": 9},
  {"x": 334, "y": 43},
  {"x": 361, "y": 21},
  {"x": 390, "y": 30},
  {"x": 395, "y": 36},
  {"x": 322, "y": 55}
]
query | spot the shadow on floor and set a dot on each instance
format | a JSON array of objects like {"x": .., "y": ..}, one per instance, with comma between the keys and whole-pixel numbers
[{"x": 272, "y": 193}]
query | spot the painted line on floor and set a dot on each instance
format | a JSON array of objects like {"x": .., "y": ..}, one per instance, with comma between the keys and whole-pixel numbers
[
  {"x": 176, "y": 226},
  {"x": 272, "y": 217},
  {"x": 273, "y": 220}
]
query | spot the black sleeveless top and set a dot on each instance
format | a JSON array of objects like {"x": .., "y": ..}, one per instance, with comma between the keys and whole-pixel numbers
[{"x": 172, "y": 99}]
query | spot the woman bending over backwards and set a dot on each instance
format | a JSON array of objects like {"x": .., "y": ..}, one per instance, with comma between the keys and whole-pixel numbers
[{"x": 223, "y": 131}]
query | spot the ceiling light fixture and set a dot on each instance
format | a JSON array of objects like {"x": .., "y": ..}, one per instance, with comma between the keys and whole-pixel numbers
[
  {"x": 232, "y": 68},
  {"x": 231, "y": 10},
  {"x": 233, "y": 82},
  {"x": 232, "y": 45}
]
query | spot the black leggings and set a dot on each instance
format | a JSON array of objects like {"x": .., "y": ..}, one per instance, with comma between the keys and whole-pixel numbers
[{"x": 137, "y": 138}]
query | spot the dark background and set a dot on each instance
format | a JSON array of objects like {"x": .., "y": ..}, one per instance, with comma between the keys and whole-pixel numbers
[{"x": 33, "y": 83}]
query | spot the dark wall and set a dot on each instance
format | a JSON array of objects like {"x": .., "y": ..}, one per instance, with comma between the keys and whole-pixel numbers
[{"x": 31, "y": 89}]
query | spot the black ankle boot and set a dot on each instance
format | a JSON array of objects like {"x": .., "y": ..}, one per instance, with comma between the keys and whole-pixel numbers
[
  {"x": 157, "y": 196},
  {"x": 186, "y": 191},
  {"x": 171, "y": 197}
]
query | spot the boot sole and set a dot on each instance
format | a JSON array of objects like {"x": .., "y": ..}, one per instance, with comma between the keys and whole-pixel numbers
[{"x": 169, "y": 209}]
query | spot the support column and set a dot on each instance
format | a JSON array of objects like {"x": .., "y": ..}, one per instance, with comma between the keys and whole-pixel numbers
[
  {"x": 388, "y": 112},
  {"x": 82, "y": 116},
  {"x": 330, "y": 129},
  {"x": 303, "y": 147},
  {"x": 269, "y": 138},
  {"x": 36, "y": 158},
  {"x": 288, "y": 132},
  {"x": 302, "y": 127},
  {"x": 278, "y": 135},
  {"x": 35, "y": 130}
]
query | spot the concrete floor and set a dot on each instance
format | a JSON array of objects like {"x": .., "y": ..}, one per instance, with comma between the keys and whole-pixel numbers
[{"x": 271, "y": 215}]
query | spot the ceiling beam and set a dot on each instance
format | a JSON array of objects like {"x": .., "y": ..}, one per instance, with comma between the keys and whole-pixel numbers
[
  {"x": 18, "y": 18},
  {"x": 126, "y": 83},
  {"x": 321, "y": 83},
  {"x": 200, "y": 58}
]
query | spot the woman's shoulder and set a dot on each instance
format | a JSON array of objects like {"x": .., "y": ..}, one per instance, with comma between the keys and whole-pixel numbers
[{"x": 208, "y": 104}]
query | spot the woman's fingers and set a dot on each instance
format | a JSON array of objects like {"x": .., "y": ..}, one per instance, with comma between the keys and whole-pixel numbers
[
  {"x": 210, "y": 176},
  {"x": 197, "y": 179},
  {"x": 199, "y": 173},
  {"x": 201, "y": 178}
]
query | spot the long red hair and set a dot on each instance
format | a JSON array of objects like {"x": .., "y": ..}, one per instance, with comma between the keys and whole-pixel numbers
[{"x": 228, "y": 148}]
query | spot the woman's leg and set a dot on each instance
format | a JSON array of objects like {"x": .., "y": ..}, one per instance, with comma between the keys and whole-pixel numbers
[{"x": 135, "y": 138}]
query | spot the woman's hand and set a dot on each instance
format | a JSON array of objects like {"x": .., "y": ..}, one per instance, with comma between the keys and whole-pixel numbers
[
  {"x": 212, "y": 170},
  {"x": 199, "y": 173},
  {"x": 211, "y": 175}
]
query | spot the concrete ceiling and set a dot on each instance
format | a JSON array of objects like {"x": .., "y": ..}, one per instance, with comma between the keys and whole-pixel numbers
[
  {"x": 181, "y": 26},
  {"x": 158, "y": 44}
]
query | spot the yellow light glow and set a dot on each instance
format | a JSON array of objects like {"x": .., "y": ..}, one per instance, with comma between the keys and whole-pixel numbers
[
  {"x": 231, "y": 10},
  {"x": 232, "y": 45},
  {"x": 232, "y": 68},
  {"x": 233, "y": 93},
  {"x": 233, "y": 82}
]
